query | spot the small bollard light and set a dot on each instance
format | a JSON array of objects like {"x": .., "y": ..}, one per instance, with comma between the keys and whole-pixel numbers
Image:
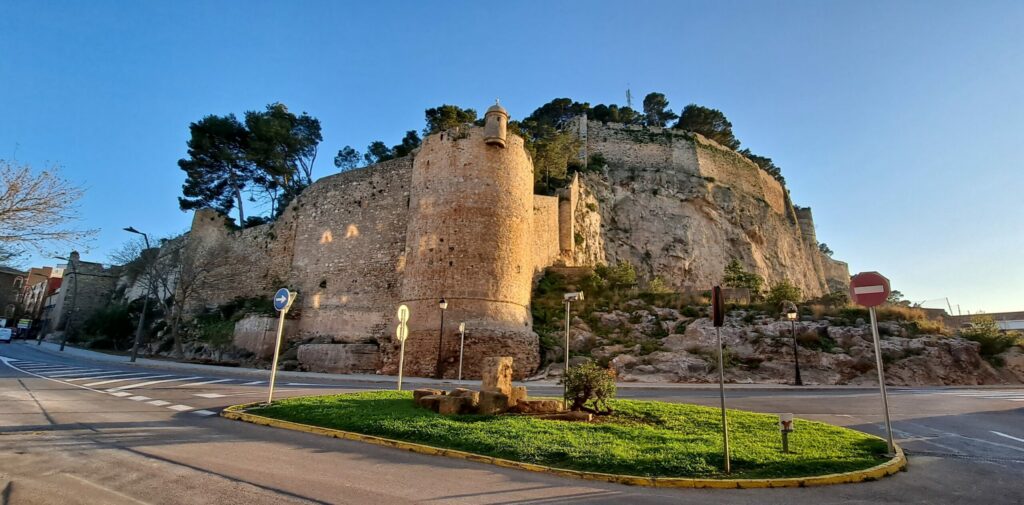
[{"x": 785, "y": 426}]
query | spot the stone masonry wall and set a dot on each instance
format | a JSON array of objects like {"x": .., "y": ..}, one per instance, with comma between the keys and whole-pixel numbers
[
  {"x": 545, "y": 231},
  {"x": 681, "y": 207}
]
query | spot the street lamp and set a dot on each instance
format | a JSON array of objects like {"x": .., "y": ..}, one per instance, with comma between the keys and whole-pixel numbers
[
  {"x": 443, "y": 304},
  {"x": 789, "y": 308},
  {"x": 145, "y": 301},
  {"x": 569, "y": 298},
  {"x": 74, "y": 299}
]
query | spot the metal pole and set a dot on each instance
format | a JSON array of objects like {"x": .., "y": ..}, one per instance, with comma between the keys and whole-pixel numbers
[
  {"x": 401, "y": 361},
  {"x": 277, "y": 352},
  {"x": 440, "y": 342},
  {"x": 881, "y": 380},
  {"x": 565, "y": 369},
  {"x": 796, "y": 354},
  {"x": 145, "y": 303},
  {"x": 721, "y": 394},
  {"x": 462, "y": 347}
]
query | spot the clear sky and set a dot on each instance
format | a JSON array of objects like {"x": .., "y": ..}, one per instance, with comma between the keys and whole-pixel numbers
[{"x": 899, "y": 123}]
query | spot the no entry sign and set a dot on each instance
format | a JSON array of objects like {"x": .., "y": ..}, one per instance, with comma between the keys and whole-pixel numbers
[{"x": 869, "y": 289}]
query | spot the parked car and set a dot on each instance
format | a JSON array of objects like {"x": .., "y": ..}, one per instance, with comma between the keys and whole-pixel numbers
[{"x": 5, "y": 335}]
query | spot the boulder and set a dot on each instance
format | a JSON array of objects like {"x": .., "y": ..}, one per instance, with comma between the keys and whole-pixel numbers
[
  {"x": 492, "y": 403},
  {"x": 518, "y": 395},
  {"x": 453, "y": 405},
  {"x": 430, "y": 402},
  {"x": 420, "y": 393},
  {"x": 538, "y": 406},
  {"x": 497, "y": 375}
]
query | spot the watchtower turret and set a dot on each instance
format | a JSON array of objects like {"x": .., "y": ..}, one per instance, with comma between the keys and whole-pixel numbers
[{"x": 495, "y": 125}]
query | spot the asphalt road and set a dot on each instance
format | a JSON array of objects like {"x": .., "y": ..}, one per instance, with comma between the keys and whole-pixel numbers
[{"x": 78, "y": 430}]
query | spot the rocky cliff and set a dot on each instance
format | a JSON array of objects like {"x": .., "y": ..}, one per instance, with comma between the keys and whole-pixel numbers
[{"x": 681, "y": 207}]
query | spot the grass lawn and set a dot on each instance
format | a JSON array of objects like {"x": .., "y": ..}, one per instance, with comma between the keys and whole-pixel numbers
[{"x": 642, "y": 438}]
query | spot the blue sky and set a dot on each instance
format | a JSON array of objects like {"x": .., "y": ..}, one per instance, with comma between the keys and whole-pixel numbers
[{"x": 898, "y": 122}]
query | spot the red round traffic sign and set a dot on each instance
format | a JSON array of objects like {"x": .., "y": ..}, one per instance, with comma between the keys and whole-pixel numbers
[{"x": 869, "y": 289}]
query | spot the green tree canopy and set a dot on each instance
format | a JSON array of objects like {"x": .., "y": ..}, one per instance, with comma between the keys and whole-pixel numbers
[
  {"x": 377, "y": 152},
  {"x": 735, "y": 276},
  {"x": 409, "y": 142},
  {"x": 766, "y": 164},
  {"x": 710, "y": 123},
  {"x": 445, "y": 117},
  {"x": 826, "y": 250},
  {"x": 613, "y": 114},
  {"x": 656, "y": 111},
  {"x": 783, "y": 291},
  {"x": 556, "y": 114},
  {"x": 217, "y": 170},
  {"x": 347, "y": 159},
  {"x": 284, "y": 146}
]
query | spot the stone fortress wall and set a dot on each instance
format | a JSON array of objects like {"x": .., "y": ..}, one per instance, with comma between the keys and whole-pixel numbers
[
  {"x": 681, "y": 207},
  {"x": 458, "y": 219}
]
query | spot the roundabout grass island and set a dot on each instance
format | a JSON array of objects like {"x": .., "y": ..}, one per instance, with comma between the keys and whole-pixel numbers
[{"x": 642, "y": 442}]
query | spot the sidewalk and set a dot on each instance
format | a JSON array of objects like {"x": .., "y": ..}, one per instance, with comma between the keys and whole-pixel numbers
[{"x": 53, "y": 349}]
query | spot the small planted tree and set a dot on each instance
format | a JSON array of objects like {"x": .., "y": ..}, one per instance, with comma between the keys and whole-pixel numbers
[{"x": 589, "y": 388}]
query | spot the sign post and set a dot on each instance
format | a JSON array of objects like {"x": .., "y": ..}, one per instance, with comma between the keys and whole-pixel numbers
[
  {"x": 871, "y": 289},
  {"x": 282, "y": 302},
  {"x": 718, "y": 319},
  {"x": 462, "y": 345},
  {"x": 401, "y": 333}
]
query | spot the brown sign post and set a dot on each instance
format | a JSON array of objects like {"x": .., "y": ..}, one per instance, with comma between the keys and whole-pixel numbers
[
  {"x": 718, "y": 319},
  {"x": 870, "y": 289}
]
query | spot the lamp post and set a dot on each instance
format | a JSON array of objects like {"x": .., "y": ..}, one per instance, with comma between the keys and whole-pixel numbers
[
  {"x": 443, "y": 304},
  {"x": 569, "y": 298},
  {"x": 789, "y": 308},
  {"x": 74, "y": 299},
  {"x": 145, "y": 301}
]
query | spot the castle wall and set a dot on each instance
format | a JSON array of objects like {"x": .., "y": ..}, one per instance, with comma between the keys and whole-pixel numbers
[
  {"x": 546, "y": 231},
  {"x": 470, "y": 241},
  {"x": 348, "y": 247},
  {"x": 681, "y": 207}
]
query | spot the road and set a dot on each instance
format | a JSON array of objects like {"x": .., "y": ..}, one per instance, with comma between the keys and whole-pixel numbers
[{"x": 75, "y": 430}]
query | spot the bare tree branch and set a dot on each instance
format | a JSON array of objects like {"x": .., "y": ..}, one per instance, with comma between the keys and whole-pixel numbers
[{"x": 37, "y": 208}]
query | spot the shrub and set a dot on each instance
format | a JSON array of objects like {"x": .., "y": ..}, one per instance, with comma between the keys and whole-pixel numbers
[
  {"x": 985, "y": 331},
  {"x": 657, "y": 286},
  {"x": 620, "y": 276},
  {"x": 589, "y": 383},
  {"x": 736, "y": 277},
  {"x": 109, "y": 327},
  {"x": 782, "y": 291}
]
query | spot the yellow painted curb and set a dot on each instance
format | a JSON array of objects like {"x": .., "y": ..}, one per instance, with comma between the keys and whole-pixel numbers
[{"x": 897, "y": 463}]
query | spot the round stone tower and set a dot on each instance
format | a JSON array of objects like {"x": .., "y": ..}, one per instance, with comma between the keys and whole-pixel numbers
[
  {"x": 468, "y": 241},
  {"x": 495, "y": 125}
]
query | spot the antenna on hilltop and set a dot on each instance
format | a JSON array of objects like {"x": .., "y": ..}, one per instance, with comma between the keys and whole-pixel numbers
[{"x": 629, "y": 97}]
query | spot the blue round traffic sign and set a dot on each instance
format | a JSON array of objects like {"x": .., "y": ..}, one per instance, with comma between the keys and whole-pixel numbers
[{"x": 281, "y": 299}]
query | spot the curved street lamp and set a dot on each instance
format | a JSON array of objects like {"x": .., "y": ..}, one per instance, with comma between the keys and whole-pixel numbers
[{"x": 145, "y": 301}]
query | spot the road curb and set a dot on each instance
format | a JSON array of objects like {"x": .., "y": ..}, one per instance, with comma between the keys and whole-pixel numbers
[{"x": 896, "y": 464}]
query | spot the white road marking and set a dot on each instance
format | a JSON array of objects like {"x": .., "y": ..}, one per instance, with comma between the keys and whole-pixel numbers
[
  {"x": 120, "y": 393},
  {"x": 215, "y": 381},
  {"x": 180, "y": 408},
  {"x": 139, "y": 398},
  {"x": 159, "y": 403},
  {"x": 1008, "y": 436},
  {"x": 150, "y": 383},
  {"x": 864, "y": 290},
  {"x": 80, "y": 374},
  {"x": 254, "y": 383},
  {"x": 209, "y": 395},
  {"x": 204, "y": 412},
  {"x": 122, "y": 380},
  {"x": 119, "y": 374}
]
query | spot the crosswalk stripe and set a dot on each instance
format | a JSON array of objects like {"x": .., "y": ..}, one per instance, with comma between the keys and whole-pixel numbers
[
  {"x": 139, "y": 398},
  {"x": 82, "y": 372},
  {"x": 122, "y": 394},
  {"x": 119, "y": 374},
  {"x": 111, "y": 381},
  {"x": 204, "y": 412},
  {"x": 159, "y": 403},
  {"x": 180, "y": 408},
  {"x": 150, "y": 383},
  {"x": 254, "y": 383},
  {"x": 216, "y": 381},
  {"x": 209, "y": 395}
]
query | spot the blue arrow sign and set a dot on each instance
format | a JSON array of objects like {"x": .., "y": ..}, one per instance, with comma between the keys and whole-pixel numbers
[{"x": 281, "y": 299}]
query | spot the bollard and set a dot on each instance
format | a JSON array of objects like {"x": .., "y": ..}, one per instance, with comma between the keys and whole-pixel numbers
[{"x": 785, "y": 426}]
